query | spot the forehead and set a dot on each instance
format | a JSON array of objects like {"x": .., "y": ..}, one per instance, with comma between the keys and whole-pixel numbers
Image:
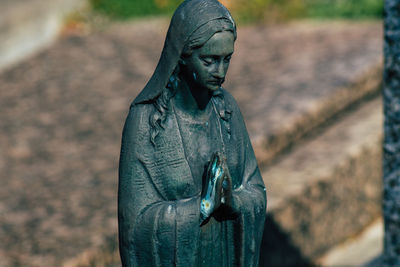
[{"x": 220, "y": 44}]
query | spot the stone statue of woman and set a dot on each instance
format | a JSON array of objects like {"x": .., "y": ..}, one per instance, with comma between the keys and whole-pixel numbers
[{"x": 190, "y": 191}]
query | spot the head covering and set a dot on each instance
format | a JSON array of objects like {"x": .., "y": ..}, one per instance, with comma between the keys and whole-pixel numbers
[{"x": 188, "y": 17}]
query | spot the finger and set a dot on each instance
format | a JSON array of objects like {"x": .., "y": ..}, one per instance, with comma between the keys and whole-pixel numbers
[
  {"x": 211, "y": 166},
  {"x": 214, "y": 164},
  {"x": 219, "y": 172}
]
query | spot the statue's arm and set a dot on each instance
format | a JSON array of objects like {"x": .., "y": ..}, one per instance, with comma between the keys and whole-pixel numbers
[
  {"x": 249, "y": 197},
  {"x": 153, "y": 231},
  {"x": 251, "y": 183},
  {"x": 249, "y": 203}
]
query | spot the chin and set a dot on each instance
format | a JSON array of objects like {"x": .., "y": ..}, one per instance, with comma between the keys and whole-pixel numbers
[{"x": 214, "y": 88}]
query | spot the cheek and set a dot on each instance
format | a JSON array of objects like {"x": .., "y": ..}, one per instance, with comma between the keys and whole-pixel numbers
[
  {"x": 226, "y": 67},
  {"x": 201, "y": 72}
]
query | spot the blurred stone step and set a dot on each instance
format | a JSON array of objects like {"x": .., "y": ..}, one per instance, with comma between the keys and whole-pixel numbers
[
  {"x": 328, "y": 189},
  {"x": 363, "y": 250},
  {"x": 291, "y": 78},
  {"x": 28, "y": 26}
]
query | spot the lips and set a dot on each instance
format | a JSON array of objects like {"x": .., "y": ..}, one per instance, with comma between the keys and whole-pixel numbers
[{"x": 215, "y": 82}]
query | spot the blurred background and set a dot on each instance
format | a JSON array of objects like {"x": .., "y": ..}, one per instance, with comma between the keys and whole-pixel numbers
[
  {"x": 306, "y": 75},
  {"x": 252, "y": 10}
]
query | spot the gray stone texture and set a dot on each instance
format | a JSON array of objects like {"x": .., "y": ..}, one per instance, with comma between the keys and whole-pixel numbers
[
  {"x": 391, "y": 148},
  {"x": 62, "y": 112},
  {"x": 301, "y": 74},
  {"x": 329, "y": 189}
]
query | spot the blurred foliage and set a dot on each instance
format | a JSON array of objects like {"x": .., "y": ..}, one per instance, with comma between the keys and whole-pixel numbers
[
  {"x": 345, "y": 8},
  {"x": 125, "y": 9},
  {"x": 278, "y": 10},
  {"x": 251, "y": 10},
  {"x": 271, "y": 10}
]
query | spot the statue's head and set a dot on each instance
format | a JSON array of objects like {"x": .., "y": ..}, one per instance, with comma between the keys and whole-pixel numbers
[
  {"x": 197, "y": 28},
  {"x": 197, "y": 49},
  {"x": 206, "y": 55}
]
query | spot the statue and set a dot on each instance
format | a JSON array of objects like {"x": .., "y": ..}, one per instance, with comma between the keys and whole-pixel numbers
[{"x": 190, "y": 191}]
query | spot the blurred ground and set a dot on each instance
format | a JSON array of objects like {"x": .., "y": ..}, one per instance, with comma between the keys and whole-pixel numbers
[{"x": 62, "y": 113}]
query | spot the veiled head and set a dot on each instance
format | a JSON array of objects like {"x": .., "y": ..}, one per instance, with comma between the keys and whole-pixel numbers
[{"x": 193, "y": 24}]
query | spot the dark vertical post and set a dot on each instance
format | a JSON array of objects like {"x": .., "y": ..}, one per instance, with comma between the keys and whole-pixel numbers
[{"x": 391, "y": 160}]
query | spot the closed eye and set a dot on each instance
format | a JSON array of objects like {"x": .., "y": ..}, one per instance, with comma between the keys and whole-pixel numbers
[
  {"x": 207, "y": 60},
  {"x": 228, "y": 58}
]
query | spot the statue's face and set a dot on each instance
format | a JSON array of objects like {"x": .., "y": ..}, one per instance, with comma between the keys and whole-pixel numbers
[{"x": 207, "y": 66}]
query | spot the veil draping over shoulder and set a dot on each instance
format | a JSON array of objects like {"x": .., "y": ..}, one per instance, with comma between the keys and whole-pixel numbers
[
  {"x": 158, "y": 197},
  {"x": 189, "y": 16}
]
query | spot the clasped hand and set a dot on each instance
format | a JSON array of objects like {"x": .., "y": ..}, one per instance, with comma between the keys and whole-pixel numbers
[{"x": 217, "y": 186}]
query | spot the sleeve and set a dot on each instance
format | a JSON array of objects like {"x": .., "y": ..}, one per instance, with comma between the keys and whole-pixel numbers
[
  {"x": 153, "y": 231},
  {"x": 249, "y": 200}
]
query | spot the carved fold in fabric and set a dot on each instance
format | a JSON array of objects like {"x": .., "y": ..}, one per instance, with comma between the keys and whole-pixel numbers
[
  {"x": 158, "y": 196},
  {"x": 159, "y": 202}
]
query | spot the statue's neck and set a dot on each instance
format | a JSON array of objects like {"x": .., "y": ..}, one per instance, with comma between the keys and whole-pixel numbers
[{"x": 190, "y": 99}]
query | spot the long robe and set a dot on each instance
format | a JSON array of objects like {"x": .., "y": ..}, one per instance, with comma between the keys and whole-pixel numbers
[{"x": 159, "y": 199}]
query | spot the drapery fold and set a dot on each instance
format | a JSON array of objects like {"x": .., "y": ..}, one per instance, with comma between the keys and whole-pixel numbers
[{"x": 159, "y": 203}]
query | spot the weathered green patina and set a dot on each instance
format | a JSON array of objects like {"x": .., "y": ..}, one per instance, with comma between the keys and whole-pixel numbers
[{"x": 190, "y": 191}]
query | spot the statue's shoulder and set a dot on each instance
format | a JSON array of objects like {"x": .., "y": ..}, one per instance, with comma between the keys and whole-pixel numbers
[
  {"x": 230, "y": 101},
  {"x": 137, "y": 121},
  {"x": 141, "y": 109}
]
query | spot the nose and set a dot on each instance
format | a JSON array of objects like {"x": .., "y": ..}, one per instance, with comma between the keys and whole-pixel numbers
[{"x": 219, "y": 71}]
